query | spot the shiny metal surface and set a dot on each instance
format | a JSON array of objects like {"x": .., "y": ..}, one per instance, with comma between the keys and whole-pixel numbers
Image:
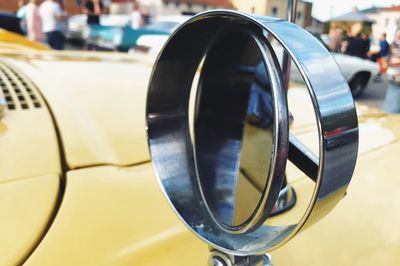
[
  {"x": 218, "y": 258},
  {"x": 239, "y": 139},
  {"x": 291, "y": 10},
  {"x": 175, "y": 156},
  {"x": 291, "y": 17},
  {"x": 286, "y": 200}
]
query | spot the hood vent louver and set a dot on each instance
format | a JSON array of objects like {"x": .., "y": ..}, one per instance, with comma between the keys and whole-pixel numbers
[{"x": 17, "y": 90}]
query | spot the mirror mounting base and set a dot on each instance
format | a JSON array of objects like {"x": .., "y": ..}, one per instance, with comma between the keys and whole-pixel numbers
[
  {"x": 218, "y": 258},
  {"x": 286, "y": 200}
]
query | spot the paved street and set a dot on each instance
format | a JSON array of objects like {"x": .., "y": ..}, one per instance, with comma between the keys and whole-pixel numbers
[{"x": 374, "y": 95}]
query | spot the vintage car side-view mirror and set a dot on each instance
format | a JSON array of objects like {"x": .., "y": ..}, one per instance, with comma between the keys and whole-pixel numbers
[{"x": 238, "y": 130}]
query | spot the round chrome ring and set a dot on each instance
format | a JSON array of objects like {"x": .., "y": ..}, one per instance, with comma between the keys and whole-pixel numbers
[
  {"x": 168, "y": 129},
  {"x": 206, "y": 91}
]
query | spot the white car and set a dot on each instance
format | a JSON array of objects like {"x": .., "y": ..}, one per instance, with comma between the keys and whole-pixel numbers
[
  {"x": 75, "y": 27},
  {"x": 358, "y": 72},
  {"x": 115, "y": 20},
  {"x": 153, "y": 44}
]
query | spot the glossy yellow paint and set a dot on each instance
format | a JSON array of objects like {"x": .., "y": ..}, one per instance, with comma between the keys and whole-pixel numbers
[
  {"x": 29, "y": 176},
  {"x": 28, "y": 143},
  {"x": 13, "y": 41},
  {"x": 26, "y": 206},
  {"x": 363, "y": 228},
  {"x": 117, "y": 216},
  {"x": 101, "y": 117}
]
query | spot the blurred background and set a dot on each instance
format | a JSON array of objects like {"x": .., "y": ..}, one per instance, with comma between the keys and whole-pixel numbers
[
  {"x": 358, "y": 33},
  {"x": 322, "y": 16}
]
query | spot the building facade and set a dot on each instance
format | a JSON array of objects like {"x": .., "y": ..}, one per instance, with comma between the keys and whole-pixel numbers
[
  {"x": 353, "y": 23},
  {"x": 168, "y": 7},
  {"x": 276, "y": 8},
  {"x": 176, "y": 7},
  {"x": 387, "y": 20},
  {"x": 8, "y": 6},
  {"x": 156, "y": 7}
]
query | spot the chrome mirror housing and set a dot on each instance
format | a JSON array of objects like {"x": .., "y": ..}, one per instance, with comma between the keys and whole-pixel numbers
[{"x": 199, "y": 168}]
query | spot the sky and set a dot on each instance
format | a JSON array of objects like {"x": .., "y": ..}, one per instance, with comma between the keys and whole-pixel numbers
[{"x": 325, "y": 9}]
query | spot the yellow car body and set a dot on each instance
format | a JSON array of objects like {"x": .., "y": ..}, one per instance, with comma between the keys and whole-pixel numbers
[
  {"x": 15, "y": 42},
  {"x": 77, "y": 186}
]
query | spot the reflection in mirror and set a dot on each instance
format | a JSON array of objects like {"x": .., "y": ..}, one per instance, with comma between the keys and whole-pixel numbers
[
  {"x": 303, "y": 127},
  {"x": 233, "y": 128}
]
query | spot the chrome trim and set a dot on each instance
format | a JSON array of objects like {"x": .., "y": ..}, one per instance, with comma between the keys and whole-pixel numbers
[
  {"x": 172, "y": 149},
  {"x": 286, "y": 200},
  {"x": 218, "y": 258},
  {"x": 217, "y": 81},
  {"x": 291, "y": 17}
]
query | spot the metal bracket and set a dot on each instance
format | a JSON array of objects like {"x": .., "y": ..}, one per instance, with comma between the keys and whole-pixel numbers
[{"x": 218, "y": 258}]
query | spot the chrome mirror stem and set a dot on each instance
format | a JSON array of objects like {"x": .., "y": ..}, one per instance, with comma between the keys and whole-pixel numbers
[
  {"x": 218, "y": 258},
  {"x": 291, "y": 11},
  {"x": 291, "y": 16}
]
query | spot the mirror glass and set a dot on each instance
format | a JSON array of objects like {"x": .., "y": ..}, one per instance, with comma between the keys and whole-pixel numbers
[{"x": 233, "y": 127}]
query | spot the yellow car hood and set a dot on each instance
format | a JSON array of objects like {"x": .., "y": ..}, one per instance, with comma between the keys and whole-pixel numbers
[
  {"x": 130, "y": 222},
  {"x": 363, "y": 228},
  {"x": 98, "y": 107}
]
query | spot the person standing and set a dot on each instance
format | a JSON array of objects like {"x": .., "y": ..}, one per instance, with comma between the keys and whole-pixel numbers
[
  {"x": 335, "y": 42},
  {"x": 365, "y": 45},
  {"x": 392, "y": 98},
  {"x": 146, "y": 17},
  {"x": 63, "y": 23},
  {"x": 34, "y": 21},
  {"x": 21, "y": 14},
  {"x": 52, "y": 18},
  {"x": 384, "y": 46},
  {"x": 348, "y": 44},
  {"x": 382, "y": 56},
  {"x": 136, "y": 16},
  {"x": 355, "y": 46},
  {"x": 93, "y": 9}
]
